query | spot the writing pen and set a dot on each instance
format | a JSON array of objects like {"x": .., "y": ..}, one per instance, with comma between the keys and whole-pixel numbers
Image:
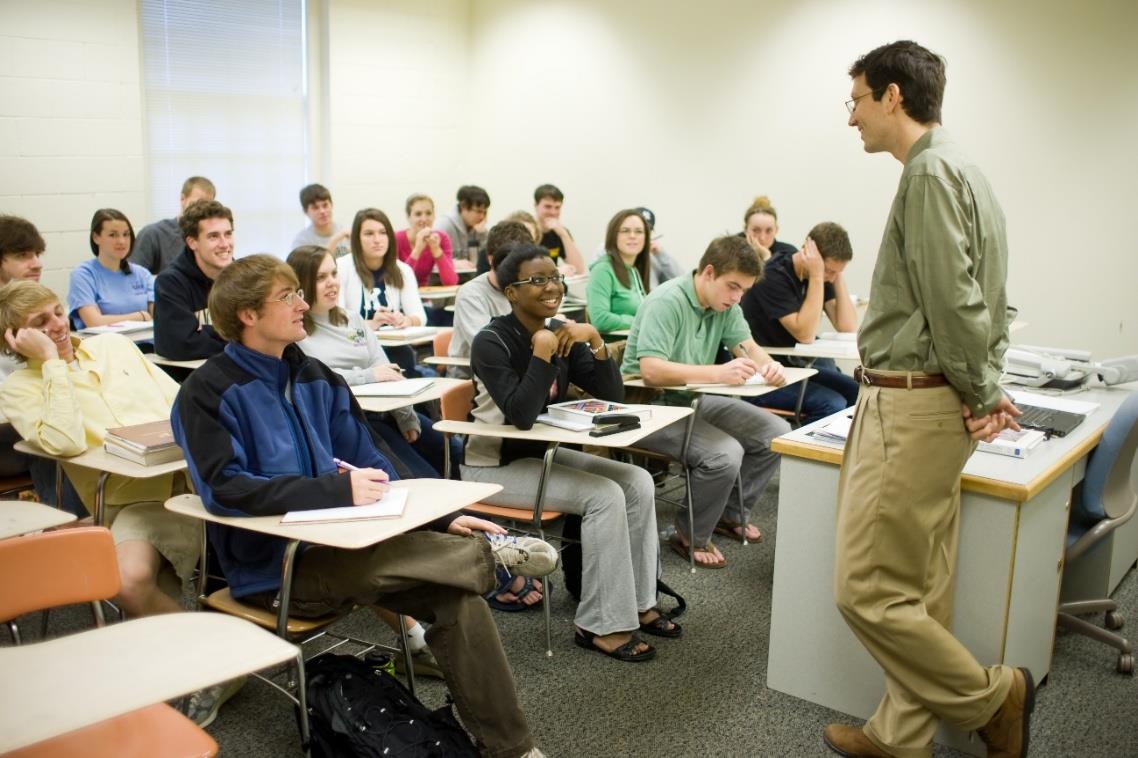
[{"x": 345, "y": 465}]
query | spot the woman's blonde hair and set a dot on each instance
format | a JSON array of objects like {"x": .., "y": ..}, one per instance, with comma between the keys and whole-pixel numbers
[{"x": 761, "y": 204}]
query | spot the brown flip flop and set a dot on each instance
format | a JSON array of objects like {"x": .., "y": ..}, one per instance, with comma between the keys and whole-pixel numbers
[
  {"x": 682, "y": 549},
  {"x": 727, "y": 529}
]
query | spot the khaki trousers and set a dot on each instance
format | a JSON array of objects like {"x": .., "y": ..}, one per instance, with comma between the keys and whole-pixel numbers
[{"x": 897, "y": 533}]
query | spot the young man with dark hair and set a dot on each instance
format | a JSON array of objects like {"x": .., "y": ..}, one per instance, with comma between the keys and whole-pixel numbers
[
  {"x": 263, "y": 425},
  {"x": 481, "y": 299},
  {"x": 323, "y": 232},
  {"x": 674, "y": 340},
  {"x": 21, "y": 247},
  {"x": 466, "y": 225},
  {"x": 555, "y": 238},
  {"x": 785, "y": 307},
  {"x": 182, "y": 329},
  {"x": 160, "y": 243},
  {"x": 932, "y": 346}
]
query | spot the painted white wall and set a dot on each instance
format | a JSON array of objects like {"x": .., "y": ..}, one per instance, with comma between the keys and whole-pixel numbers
[
  {"x": 694, "y": 109},
  {"x": 398, "y": 105},
  {"x": 690, "y": 110},
  {"x": 70, "y": 121}
]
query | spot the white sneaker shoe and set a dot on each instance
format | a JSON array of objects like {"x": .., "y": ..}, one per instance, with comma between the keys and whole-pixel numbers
[
  {"x": 204, "y": 704},
  {"x": 533, "y": 752},
  {"x": 527, "y": 556}
]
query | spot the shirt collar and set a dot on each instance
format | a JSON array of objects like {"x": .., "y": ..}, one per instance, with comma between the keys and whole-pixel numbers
[
  {"x": 933, "y": 137},
  {"x": 687, "y": 286}
]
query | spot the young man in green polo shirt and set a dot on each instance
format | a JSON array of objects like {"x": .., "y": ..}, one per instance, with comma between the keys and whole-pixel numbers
[{"x": 674, "y": 340}]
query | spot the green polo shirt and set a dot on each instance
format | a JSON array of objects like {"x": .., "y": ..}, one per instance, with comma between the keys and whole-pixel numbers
[
  {"x": 937, "y": 302},
  {"x": 672, "y": 325}
]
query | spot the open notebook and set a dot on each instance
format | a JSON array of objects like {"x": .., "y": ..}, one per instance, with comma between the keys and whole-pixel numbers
[
  {"x": 400, "y": 388},
  {"x": 390, "y": 505}
]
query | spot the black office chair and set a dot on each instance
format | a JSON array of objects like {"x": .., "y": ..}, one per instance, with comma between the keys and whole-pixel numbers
[{"x": 1107, "y": 501}]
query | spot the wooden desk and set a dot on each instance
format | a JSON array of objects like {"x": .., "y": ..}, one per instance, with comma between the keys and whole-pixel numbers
[
  {"x": 107, "y": 465},
  {"x": 384, "y": 404},
  {"x": 159, "y": 360},
  {"x": 57, "y": 686},
  {"x": 1013, "y": 526},
  {"x": 438, "y": 291},
  {"x": 141, "y": 335},
  {"x": 793, "y": 375},
  {"x": 21, "y": 517},
  {"x": 392, "y": 337},
  {"x": 427, "y": 500},
  {"x": 446, "y": 360},
  {"x": 662, "y": 415},
  {"x": 842, "y": 351}
]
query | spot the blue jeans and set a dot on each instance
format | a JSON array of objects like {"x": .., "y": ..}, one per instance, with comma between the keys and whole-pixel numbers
[
  {"x": 827, "y": 392},
  {"x": 424, "y": 457}
]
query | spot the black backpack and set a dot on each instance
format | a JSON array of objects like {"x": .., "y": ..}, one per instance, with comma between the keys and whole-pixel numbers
[{"x": 357, "y": 709}]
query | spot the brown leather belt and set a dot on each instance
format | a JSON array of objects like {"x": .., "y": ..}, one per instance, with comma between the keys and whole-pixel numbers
[{"x": 896, "y": 381}]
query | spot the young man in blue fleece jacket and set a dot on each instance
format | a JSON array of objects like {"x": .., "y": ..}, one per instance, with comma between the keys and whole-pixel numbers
[{"x": 260, "y": 424}]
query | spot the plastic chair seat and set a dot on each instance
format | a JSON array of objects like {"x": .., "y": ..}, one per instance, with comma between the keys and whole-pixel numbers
[
  {"x": 512, "y": 514},
  {"x": 154, "y": 730},
  {"x": 223, "y": 601}
]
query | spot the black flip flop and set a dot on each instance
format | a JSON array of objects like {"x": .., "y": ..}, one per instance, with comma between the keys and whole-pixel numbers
[{"x": 625, "y": 652}]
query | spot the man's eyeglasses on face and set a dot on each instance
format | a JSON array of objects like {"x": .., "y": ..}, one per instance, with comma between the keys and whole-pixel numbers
[
  {"x": 290, "y": 299},
  {"x": 851, "y": 104},
  {"x": 541, "y": 281}
]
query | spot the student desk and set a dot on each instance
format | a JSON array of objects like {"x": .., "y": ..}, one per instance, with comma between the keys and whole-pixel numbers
[
  {"x": 1013, "y": 527},
  {"x": 20, "y": 517},
  {"x": 393, "y": 338},
  {"x": 107, "y": 465},
  {"x": 438, "y": 291},
  {"x": 447, "y": 360},
  {"x": 384, "y": 404},
  {"x": 64, "y": 684},
  {"x": 427, "y": 500},
  {"x": 190, "y": 364},
  {"x": 731, "y": 390}
]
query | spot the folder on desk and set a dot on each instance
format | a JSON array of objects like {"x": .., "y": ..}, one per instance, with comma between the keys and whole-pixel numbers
[
  {"x": 400, "y": 388},
  {"x": 390, "y": 505}
]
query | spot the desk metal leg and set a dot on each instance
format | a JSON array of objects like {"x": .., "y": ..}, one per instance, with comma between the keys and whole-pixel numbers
[
  {"x": 687, "y": 480},
  {"x": 100, "y": 499},
  {"x": 538, "y": 506}
]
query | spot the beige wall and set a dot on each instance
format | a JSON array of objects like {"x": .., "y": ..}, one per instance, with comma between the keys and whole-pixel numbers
[
  {"x": 691, "y": 109},
  {"x": 70, "y": 120}
]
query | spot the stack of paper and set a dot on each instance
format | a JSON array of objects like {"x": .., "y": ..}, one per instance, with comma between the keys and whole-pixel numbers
[
  {"x": 401, "y": 388},
  {"x": 390, "y": 505},
  {"x": 1016, "y": 444},
  {"x": 835, "y": 431}
]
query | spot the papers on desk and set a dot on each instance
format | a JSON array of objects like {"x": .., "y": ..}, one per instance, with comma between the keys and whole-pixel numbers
[
  {"x": 564, "y": 423},
  {"x": 834, "y": 432},
  {"x": 121, "y": 327},
  {"x": 407, "y": 332},
  {"x": 840, "y": 344},
  {"x": 756, "y": 380},
  {"x": 1012, "y": 443},
  {"x": 390, "y": 505},
  {"x": 400, "y": 388}
]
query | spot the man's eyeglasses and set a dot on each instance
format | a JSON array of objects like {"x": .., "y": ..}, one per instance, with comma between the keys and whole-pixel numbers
[
  {"x": 290, "y": 298},
  {"x": 541, "y": 281},
  {"x": 851, "y": 104}
]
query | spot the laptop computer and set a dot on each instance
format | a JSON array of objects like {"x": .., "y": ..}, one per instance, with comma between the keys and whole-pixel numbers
[{"x": 1048, "y": 420}]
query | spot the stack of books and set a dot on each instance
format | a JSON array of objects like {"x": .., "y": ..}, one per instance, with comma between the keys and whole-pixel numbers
[
  {"x": 145, "y": 444},
  {"x": 581, "y": 415}
]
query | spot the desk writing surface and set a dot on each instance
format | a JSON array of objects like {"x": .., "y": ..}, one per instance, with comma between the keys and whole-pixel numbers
[
  {"x": 438, "y": 292},
  {"x": 1016, "y": 479},
  {"x": 847, "y": 351},
  {"x": 21, "y": 517},
  {"x": 446, "y": 360},
  {"x": 161, "y": 361},
  {"x": 428, "y": 500},
  {"x": 63, "y": 684},
  {"x": 434, "y": 392},
  {"x": 662, "y": 415},
  {"x": 100, "y": 460},
  {"x": 793, "y": 375}
]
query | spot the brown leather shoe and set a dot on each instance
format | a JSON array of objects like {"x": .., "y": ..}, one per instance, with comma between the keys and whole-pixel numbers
[
  {"x": 851, "y": 742},
  {"x": 1007, "y": 732}
]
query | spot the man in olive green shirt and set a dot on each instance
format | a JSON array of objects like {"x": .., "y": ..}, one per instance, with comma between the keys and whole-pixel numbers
[
  {"x": 674, "y": 340},
  {"x": 931, "y": 346}
]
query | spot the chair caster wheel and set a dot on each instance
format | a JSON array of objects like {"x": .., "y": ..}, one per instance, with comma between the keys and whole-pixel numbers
[
  {"x": 1114, "y": 620},
  {"x": 1125, "y": 664}
]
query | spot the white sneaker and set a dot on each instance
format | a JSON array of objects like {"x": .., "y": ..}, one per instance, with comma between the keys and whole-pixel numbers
[
  {"x": 527, "y": 556},
  {"x": 533, "y": 753},
  {"x": 204, "y": 704}
]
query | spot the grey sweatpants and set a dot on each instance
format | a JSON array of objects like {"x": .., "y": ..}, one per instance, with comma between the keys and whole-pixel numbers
[{"x": 619, "y": 544}]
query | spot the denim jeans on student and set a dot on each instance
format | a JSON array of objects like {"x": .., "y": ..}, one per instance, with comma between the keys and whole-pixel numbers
[
  {"x": 424, "y": 456},
  {"x": 827, "y": 392}
]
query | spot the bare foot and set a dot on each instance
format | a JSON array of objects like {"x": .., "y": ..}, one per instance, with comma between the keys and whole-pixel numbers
[
  {"x": 530, "y": 598},
  {"x": 610, "y": 642}
]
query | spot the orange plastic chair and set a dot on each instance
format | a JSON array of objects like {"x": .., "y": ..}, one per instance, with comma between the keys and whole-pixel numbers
[
  {"x": 41, "y": 571},
  {"x": 441, "y": 345},
  {"x": 147, "y": 732}
]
